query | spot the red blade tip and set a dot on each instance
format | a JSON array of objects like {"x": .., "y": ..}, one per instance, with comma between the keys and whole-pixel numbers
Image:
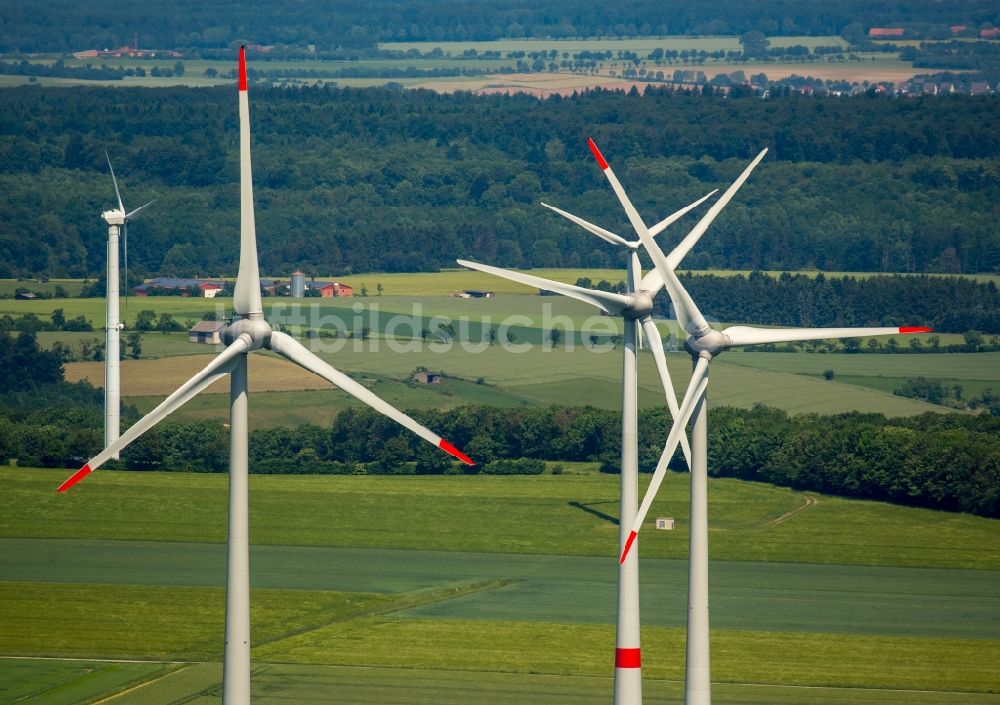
[
  {"x": 597, "y": 155},
  {"x": 628, "y": 545},
  {"x": 449, "y": 448},
  {"x": 915, "y": 329},
  {"x": 243, "y": 68},
  {"x": 77, "y": 476}
]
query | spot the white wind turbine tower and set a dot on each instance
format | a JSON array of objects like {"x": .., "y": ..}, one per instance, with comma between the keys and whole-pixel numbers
[
  {"x": 704, "y": 344},
  {"x": 247, "y": 332},
  {"x": 635, "y": 308},
  {"x": 117, "y": 220}
]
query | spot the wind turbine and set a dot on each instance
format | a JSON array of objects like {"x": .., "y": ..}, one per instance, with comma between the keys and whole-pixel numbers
[
  {"x": 117, "y": 220},
  {"x": 704, "y": 344},
  {"x": 636, "y": 307},
  {"x": 247, "y": 332}
]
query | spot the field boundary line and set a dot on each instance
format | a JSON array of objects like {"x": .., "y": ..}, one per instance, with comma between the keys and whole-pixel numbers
[
  {"x": 850, "y": 687},
  {"x": 136, "y": 687},
  {"x": 406, "y": 601},
  {"x": 539, "y": 674},
  {"x": 94, "y": 660}
]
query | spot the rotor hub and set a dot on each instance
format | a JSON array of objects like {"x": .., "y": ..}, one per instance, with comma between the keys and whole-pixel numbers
[
  {"x": 640, "y": 305},
  {"x": 258, "y": 329},
  {"x": 711, "y": 343}
]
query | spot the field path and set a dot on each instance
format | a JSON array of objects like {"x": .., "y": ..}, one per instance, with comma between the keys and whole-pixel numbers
[{"x": 810, "y": 502}]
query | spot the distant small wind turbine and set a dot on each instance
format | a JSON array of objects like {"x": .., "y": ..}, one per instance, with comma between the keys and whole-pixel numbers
[{"x": 117, "y": 220}]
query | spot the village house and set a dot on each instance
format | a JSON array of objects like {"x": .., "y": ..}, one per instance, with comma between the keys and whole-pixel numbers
[{"x": 885, "y": 32}]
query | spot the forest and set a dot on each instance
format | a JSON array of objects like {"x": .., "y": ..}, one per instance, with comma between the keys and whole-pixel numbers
[
  {"x": 948, "y": 304},
  {"x": 63, "y": 26},
  {"x": 945, "y": 461},
  {"x": 355, "y": 180}
]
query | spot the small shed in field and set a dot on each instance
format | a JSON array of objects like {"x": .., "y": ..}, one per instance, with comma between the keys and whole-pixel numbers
[{"x": 206, "y": 332}]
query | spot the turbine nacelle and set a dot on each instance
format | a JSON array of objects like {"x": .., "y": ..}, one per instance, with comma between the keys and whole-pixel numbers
[{"x": 114, "y": 217}]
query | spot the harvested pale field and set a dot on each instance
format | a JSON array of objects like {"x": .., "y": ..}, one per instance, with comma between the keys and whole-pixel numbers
[
  {"x": 163, "y": 376},
  {"x": 543, "y": 85},
  {"x": 851, "y": 71}
]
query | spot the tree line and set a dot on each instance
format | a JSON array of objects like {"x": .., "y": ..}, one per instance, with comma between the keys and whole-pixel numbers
[
  {"x": 944, "y": 461},
  {"x": 941, "y": 461},
  {"x": 850, "y": 184},
  {"x": 53, "y": 25}
]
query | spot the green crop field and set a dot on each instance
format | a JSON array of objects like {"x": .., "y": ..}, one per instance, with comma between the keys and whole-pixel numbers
[
  {"x": 481, "y": 589},
  {"x": 527, "y": 372},
  {"x": 974, "y": 373},
  {"x": 73, "y": 287},
  {"x": 534, "y": 377}
]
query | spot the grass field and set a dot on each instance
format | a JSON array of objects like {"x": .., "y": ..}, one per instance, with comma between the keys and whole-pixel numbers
[
  {"x": 371, "y": 589},
  {"x": 512, "y": 515}
]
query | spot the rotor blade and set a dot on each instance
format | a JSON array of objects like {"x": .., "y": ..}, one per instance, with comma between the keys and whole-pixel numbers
[
  {"x": 115, "y": 182},
  {"x": 291, "y": 349},
  {"x": 656, "y": 346},
  {"x": 695, "y": 391},
  {"x": 216, "y": 369},
  {"x": 750, "y": 335},
  {"x": 246, "y": 297},
  {"x": 692, "y": 237},
  {"x": 128, "y": 216},
  {"x": 607, "y": 301},
  {"x": 653, "y": 280},
  {"x": 662, "y": 225},
  {"x": 596, "y": 229},
  {"x": 688, "y": 314}
]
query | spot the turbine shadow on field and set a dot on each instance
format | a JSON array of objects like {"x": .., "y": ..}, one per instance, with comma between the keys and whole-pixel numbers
[{"x": 589, "y": 508}]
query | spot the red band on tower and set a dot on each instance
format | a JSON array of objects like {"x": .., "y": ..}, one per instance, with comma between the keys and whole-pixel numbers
[
  {"x": 628, "y": 658},
  {"x": 77, "y": 476},
  {"x": 597, "y": 155},
  {"x": 915, "y": 329},
  {"x": 243, "y": 68},
  {"x": 449, "y": 448}
]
